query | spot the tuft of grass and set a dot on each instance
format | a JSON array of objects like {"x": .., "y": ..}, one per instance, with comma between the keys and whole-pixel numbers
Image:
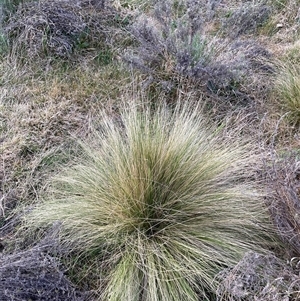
[
  {"x": 9, "y": 7},
  {"x": 157, "y": 204},
  {"x": 4, "y": 47},
  {"x": 287, "y": 85}
]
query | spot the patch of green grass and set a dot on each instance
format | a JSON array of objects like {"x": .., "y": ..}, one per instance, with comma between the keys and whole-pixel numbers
[
  {"x": 157, "y": 204},
  {"x": 4, "y": 47},
  {"x": 200, "y": 50},
  {"x": 104, "y": 57},
  {"x": 279, "y": 4}
]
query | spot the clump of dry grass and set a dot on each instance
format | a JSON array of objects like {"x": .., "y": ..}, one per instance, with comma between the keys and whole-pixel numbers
[
  {"x": 157, "y": 205},
  {"x": 39, "y": 112}
]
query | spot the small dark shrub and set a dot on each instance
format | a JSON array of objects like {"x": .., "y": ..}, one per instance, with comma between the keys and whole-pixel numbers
[
  {"x": 261, "y": 278},
  {"x": 35, "y": 275},
  {"x": 284, "y": 203},
  {"x": 58, "y": 27}
]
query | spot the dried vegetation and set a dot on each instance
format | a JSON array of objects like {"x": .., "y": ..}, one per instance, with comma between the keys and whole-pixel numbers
[
  {"x": 59, "y": 28},
  {"x": 64, "y": 61},
  {"x": 35, "y": 274},
  {"x": 284, "y": 197},
  {"x": 261, "y": 278}
]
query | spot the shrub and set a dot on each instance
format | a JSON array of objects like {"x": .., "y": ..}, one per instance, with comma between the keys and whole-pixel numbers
[
  {"x": 171, "y": 47},
  {"x": 287, "y": 86},
  {"x": 158, "y": 204},
  {"x": 35, "y": 275},
  {"x": 261, "y": 278},
  {"x": 41, "y": 28},
  {"x": 284, "y": 200},
  {"x": 175, "y": 54},
  {"x": 247, "y": 19}
]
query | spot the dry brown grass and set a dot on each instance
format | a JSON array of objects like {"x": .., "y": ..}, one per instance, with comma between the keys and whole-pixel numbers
[{"x": 39, "y": 115}]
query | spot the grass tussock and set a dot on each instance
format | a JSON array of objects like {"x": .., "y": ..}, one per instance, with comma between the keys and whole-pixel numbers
[
  {"x": 287, "y": 86},
  {"x": 159, "y": 202}
]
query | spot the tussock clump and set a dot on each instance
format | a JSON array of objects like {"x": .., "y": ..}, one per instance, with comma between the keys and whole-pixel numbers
[
  {"x": 284, "y": 180},
  {"x": 287, "y": 86},
  {"x": 157, "y": 206},
  {"x": 261, "y": 278},
  {"x": 246, "y": 20}
]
